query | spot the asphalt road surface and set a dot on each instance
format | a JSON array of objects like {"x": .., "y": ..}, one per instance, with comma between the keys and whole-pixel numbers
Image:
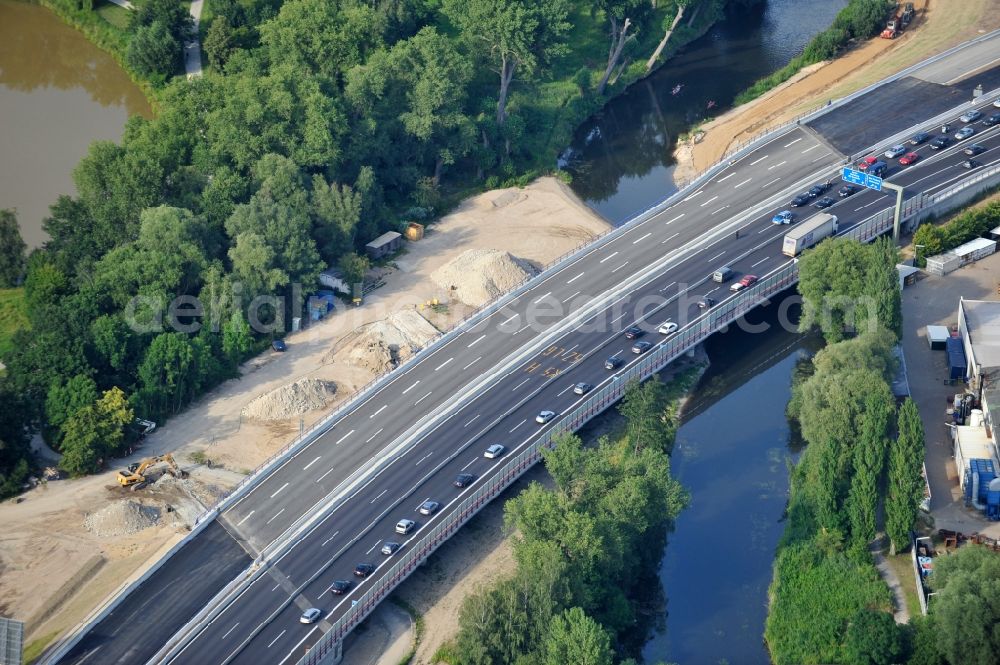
[
  {"x": 263, "y": 626},
  {"x": 662, "y": 264}
]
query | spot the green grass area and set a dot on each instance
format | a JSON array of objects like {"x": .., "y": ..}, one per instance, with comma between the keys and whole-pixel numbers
[
  {"x": 902, "y": 565},
  {"x": 34, "y": 648},
  {"x": 13, "y": 316},
  {"x": 112, "y": 13}
]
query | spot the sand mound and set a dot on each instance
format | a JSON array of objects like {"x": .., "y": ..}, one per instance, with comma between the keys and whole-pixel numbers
[
  {"x": 288, "y": 401},
  {"x": 121, "y": 518},
  {"x": 381, "y": 345},
  {"x": 480, "y": 275}
]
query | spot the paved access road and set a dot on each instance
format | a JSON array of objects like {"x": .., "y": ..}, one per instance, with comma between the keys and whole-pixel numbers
[
  {"x": 262, "y": 626},
  {"x": 668, "y": 256}
]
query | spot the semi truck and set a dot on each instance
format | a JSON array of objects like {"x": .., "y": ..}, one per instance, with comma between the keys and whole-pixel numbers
[{"x": 808, "y": 233}]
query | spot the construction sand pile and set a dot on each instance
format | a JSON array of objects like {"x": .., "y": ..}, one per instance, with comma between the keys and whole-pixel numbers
[
  {"x": 381, "y": 345},
  {"x": 290, "y": 400},
  {"x": 121, "y": 518},
  {"x": 478, "y": 276}
]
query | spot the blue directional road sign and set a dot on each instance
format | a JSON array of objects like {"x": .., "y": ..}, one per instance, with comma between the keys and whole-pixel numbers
[{"x": 856, "y": 177}]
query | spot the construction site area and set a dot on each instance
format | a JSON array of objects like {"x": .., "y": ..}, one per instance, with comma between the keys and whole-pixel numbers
[{"x": 68, "y": 544}]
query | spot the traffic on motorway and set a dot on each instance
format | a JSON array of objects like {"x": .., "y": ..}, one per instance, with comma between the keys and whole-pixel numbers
[{"x": 330, "y": 566}]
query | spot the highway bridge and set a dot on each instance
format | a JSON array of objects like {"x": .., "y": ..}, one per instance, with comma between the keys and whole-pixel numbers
[{"x": 332, "y": 502}]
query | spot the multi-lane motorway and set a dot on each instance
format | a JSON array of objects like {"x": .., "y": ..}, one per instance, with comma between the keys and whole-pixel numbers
[
  {"x": 263, "y": 625},
  {"x": 486, "y": 385}
]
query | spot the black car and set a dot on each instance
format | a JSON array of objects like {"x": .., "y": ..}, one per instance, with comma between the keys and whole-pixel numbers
[
  {"x": 824, "y": 202},
  {"x": 706, "y": 302},
  {"x": 919, "y": 137},
  {"x": 816, "y": 190},
  {"x": 992, "y": 120},
  {"x": 974, "y": 149},
  {"x": 364, "y": 569},
  {"x": 801, "y": 200},
  {"x": 940, "y": 142},
  {"x": 846, "y": 191},
  {"x": 641, "y": 347},
  {"x": 632, "y": 332},
  {"x": 970, "y": 164},
  {"x": 464, "y": 480},
  {"x": 614, "y": 362},
  {"x": 340, "y": 587},
  {"x": 279, "y": 345}
]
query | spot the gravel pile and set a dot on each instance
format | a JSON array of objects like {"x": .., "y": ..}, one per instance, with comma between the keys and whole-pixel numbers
[
  {"x": 293, "y": 399},
  {"x": 381, "y": 345},
  {"x": 478, "y": 276},
  {"x": 122, "y": 518}
]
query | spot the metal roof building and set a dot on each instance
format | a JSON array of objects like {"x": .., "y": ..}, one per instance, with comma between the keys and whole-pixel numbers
[{"x": 11, "y": 641}]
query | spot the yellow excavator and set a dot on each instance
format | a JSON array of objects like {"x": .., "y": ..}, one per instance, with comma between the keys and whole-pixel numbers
[{"x": 133, "y": 477}]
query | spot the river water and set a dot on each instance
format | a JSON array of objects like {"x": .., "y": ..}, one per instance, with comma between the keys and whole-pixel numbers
[
  {"x": 731, "y": 454},
  {"x": 621, "y": 158},
  {"x": 58, "y": 93}
]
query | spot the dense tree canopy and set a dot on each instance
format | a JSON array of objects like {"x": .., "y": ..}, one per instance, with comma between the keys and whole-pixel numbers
[
  {"x": 319, "y": 125},
  {"x": 965, "y": 606},
  {"x": 12, "y": 261}
]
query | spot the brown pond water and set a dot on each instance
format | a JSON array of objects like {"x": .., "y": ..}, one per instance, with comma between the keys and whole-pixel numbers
[{"x": 58, "y": 93}]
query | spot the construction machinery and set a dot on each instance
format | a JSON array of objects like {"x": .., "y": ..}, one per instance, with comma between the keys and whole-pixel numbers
[
  {"x": 900, "y": 19},
  {"x": 134, "y": 476}
]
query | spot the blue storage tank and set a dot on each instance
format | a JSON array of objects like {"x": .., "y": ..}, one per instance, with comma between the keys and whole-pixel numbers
[
  {"x": 956, "y": 358},
  {"x": 993, "y": 500}
]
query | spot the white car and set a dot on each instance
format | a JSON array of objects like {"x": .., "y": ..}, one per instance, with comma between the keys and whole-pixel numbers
[
  {"x": 494, "y": 451},
  {"x": 544, "y": 417},
  {"x": 996, "y": 102},
  {"x": 310, "y": 615},
  {"x": 405, "y": 526},
  {"x": 668, "y": 327},
  {"x": 894, "y": 151}
]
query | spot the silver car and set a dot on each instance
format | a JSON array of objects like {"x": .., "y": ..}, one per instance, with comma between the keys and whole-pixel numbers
[
  {"x": 544, "y": 417},
  {"x": 894, "y": 151},
  {"x": 405, "y": 526},
  {"x": 310, "y": 615},
  {"x": 494, "y": 451},
  {"x": 428, "y": 507},
  {"x": 964, "y": 133}
]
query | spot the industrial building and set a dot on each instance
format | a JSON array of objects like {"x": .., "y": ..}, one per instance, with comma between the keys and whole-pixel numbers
[{"x": 974, "y": 357}]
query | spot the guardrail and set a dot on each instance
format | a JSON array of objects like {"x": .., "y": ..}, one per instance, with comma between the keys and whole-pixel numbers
[
  {"x": 663, "y": 354},
  {"x": 660, "y": 356},
  {"x": 323, "y": 425}
]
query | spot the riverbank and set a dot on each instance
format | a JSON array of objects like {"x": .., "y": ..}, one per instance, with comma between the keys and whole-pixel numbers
[
  {"x": 481, "y": 554},
  {"x": 45, "y": 544},
  {"x": 940, "y": 24}
]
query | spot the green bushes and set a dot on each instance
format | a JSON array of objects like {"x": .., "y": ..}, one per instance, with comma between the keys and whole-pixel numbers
[
  {"x": 814, "y": 595},
  {"x": 967, "y": 226},
  {"x": 825, "y": 583},
  {"x": 586, "y": 551},
  {"x": 860, "y": 19}
]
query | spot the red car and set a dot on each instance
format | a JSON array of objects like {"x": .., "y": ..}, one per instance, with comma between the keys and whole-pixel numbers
[
  {"x": 866, "y": 162},
  {"x": 747, "y": 280},
  {"x": 909, "y": 158}
]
